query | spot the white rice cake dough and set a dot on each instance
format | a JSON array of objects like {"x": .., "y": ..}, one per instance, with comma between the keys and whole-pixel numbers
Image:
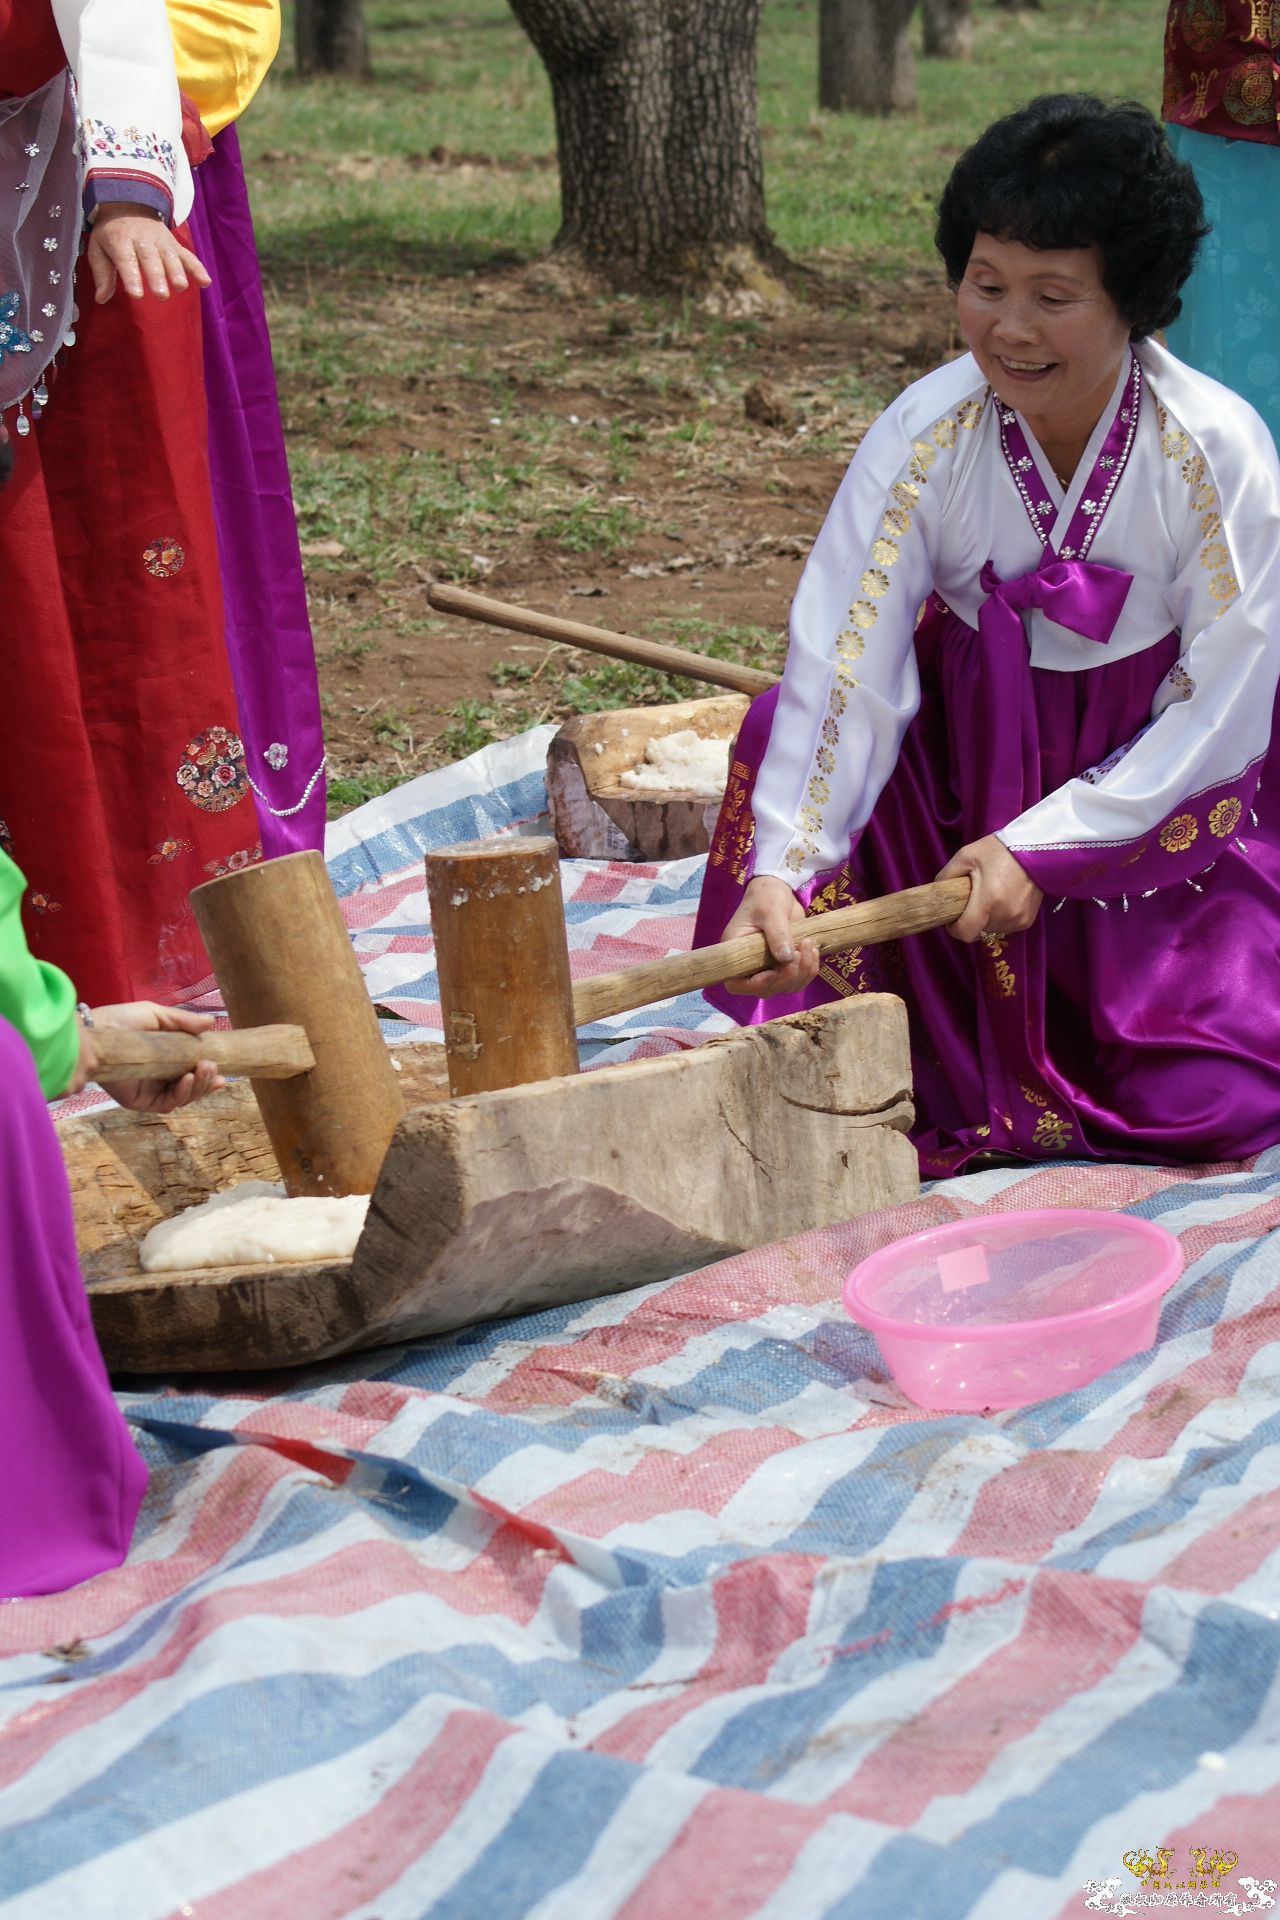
[
  {"x": 254, "y": 1225},
  {"x": 681, "y": 762}
]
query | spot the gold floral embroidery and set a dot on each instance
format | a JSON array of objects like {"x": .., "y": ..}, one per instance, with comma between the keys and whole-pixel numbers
[
  {"x": 896, "y": 520},
  {"x": 1053, "y": 1133},
  {"x": 905, "y": 495},
  {"x": 875, "y": 584},
  {"x": 736, "y": 827},
  {"x": 1215, "y": 555},
  {"x": 826, "y": 760},
  {"x": 1225, "y": 817},
  {"x": 1032, "y": 1097},
  {"x": 944, "y": 433},
  {"x": 864, "y": 615},
  {"x": 1181, "y": 682},
  {"x": 885, "y": 553},
  {"x": 968, "y": 414},
  {"x": 1179, "y": 833},
  {"x": 1003, "y": 980}
]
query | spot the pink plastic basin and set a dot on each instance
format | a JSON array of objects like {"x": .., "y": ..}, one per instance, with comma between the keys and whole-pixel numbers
[{"x": 1005, "y": 1310}]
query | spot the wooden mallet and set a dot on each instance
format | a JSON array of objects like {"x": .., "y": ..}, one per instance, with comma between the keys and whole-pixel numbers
[
  {"x": 510, "y": 1005},
  {"x": 304, "y": 1028}
]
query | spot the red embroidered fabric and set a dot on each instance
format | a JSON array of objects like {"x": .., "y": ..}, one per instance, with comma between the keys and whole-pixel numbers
[
  {"x": 1220, "y": 70},
  {"x": 122, "y": 776}
]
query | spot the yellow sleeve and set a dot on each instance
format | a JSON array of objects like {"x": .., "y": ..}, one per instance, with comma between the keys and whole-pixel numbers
[{"x": 222, "y": 49}]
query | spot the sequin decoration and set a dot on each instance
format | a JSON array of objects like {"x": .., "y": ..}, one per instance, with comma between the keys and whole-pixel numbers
[
  {"x": 164, "y": 558},
  {"x": 1178, "y": 834},
  {"x": 12, "y": 337},
  {"x": 213, "y": 775},
  {"x": 1225, "y": 817},
  {"x": 42, "y": 904},
  {"x": 276, "y": 755}
]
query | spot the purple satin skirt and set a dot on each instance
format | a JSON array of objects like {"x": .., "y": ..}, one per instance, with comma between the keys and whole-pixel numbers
[
  {"x": 72, "y": 1480},
  {"x": 1140, "y": 1031},
  {"x": 268, "y": 629}
]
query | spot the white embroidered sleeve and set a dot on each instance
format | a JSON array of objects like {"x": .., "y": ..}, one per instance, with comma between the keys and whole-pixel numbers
[
  {"x": 1182, "y": 786},
  {"x": 121, "y": 54},
  {"x": 851, "y": 686}
]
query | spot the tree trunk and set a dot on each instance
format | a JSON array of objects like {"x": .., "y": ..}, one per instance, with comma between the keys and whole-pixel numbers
[
  {"x": 330, "y": 37},
  {"x": 864, "y": 56},
  {"x": 948, "y": 29},
  {"x": 661, "y": 179},
  {"x": 1018, "y": 6}
]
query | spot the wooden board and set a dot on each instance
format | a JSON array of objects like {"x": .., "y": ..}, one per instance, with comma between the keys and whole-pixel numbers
[
  {"x": 502, "y": 1203},
  {"x": 595, "y": 817}
]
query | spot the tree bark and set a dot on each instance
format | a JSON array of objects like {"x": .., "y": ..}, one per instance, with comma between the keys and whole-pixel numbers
[
  {"x": 330, "y": 37},
  {"x": 948, "y": 29},
  {"x": 661, "y": 178},
  {"x": 865, "y": 63}
]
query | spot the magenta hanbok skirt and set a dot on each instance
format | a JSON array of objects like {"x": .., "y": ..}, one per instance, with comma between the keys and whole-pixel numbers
[
  {"x": 72, "y": 1479},
  {"x": 269, "y": 640},
  {"x": 1139, "y": 1028}
]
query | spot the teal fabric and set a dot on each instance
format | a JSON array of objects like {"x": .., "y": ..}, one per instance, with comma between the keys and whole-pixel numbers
[{"x": 1230, "y": 322}]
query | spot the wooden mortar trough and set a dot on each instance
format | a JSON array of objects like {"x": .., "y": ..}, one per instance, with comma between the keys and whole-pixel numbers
[{"x": 595, "y": 816}]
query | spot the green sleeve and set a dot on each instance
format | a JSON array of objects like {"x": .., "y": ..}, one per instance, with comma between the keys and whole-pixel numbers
[{"x": 36, "y": 998}]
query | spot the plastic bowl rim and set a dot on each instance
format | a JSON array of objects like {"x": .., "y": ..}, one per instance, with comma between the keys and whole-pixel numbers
[{"x": 1143, "y": 1295}]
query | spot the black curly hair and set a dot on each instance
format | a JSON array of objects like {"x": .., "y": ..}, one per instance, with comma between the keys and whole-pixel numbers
[{"x": 1070, "y": 170}]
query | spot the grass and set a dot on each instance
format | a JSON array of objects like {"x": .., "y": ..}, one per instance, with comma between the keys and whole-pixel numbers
[{"x": 352, "y": 182}]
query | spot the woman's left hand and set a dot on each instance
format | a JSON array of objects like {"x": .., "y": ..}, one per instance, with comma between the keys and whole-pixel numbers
[
  {"x": 1004, "y": 900},
  {"x": 138, "y": 250},
  {"x": 157, "y": 1096}
]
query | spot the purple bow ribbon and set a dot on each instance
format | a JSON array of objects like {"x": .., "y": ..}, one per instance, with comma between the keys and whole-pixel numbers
[{"x": 1080, "y": 594}]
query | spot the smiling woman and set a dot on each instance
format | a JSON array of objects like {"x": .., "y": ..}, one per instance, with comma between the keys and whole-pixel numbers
[{"x": 1083, "y": 709}]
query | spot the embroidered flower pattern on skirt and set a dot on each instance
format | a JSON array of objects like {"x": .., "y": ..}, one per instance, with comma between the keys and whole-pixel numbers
[
  {"x": 234, "y": 862},
  {"x": 169, "y": 850},
  {"x": 213, "y": 776},
  {"x": 164, "y": 558},
  {"x": 41, "y": 903}
]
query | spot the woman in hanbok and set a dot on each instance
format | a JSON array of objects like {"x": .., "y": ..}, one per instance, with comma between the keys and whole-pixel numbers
[
  {"x": 124, "y": 780},
  {"x": 1037, "y": 643}
]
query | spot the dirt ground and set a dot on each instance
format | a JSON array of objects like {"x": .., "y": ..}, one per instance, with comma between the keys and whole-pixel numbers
[{"x": 697, "y": 456}]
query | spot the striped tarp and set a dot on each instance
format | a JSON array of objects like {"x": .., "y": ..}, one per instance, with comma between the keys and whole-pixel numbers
[{"x": 671, "y": 1608}]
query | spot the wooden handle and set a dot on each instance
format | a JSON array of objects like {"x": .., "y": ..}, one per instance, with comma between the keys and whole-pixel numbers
[
  {"x": 619, "y": 646},
  {"x": 914, "y": 911},
  {"x": 259, "y": 1053}
]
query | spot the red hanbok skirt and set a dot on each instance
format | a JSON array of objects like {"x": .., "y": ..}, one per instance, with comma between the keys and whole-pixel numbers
[{"x": 122, "y": 775}]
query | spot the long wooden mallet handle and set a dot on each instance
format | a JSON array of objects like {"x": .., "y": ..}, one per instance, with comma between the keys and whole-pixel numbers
[
  {"x": 619, "y": 646},
  {"x": 915, "y": 910},
  {"x": 259, "y": 1053}
]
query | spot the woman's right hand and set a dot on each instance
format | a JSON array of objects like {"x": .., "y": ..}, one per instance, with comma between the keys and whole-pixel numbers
[{"x": 769, "y": 907}]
